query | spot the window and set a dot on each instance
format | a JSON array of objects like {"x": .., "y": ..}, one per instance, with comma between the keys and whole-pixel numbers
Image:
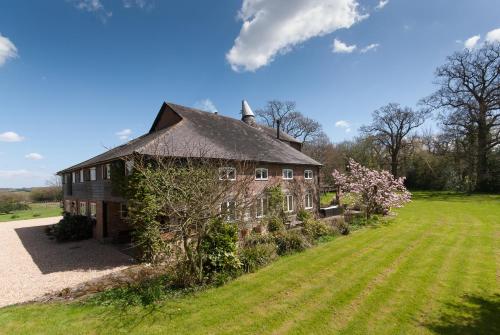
[
  {"x": 129, "y": 167},
  {"x": 288, "y": 203},
  {"x": 67, "y": 206},
  {"x": 81, "y": 176},
  {"x": 73, "y": 207},
  {"x": 228, "y": 208},
  {"x": 287, "y": 174},
  {"x": 261, "y": 174},
  {"x": 73, "y": 177},
  {"x": 308, "y": 201},
  {"x": 227, "y": 173},
  {"x": 123, "y": 211},
  {"x": 93, "y": 175},
  {"x": 83, "y": 208},
  {"x": 261, "y": 207},
  {"x": 93, "y": 209},
  {"x": 106, "y": 171},
  {"x": 308, "y": 174}
]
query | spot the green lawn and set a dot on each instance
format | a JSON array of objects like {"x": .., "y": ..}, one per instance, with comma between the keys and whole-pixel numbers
[
  {"x": 435, "y": 269},
  {"x": 38, "y": 210}
]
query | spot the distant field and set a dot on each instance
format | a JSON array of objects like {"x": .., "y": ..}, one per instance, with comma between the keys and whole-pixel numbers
[{"x": 38, "y": 210}]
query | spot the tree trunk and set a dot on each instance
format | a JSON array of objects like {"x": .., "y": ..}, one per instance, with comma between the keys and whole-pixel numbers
[
  {"x": 394, "y": 164},
  {"x": 482, "y": 153}
]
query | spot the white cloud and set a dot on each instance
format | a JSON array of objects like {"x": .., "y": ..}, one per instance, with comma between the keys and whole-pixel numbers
[
  {"x": 7, "y": 49},
  {"x": 373, "y": 46},
  {"x": 341, "y": 47},
  {"x": 142, "y": 4},
  {"x": 93, "y": 6},
  {"x": 206, "y": 105},
  {"x": 382, "y": 4},
  {"x": 10, "y": 136},
  {"x": 471, "y": 42},
  {"x": 344, "y": 125},
  {"x": 274, "y": 27},
  {"x": 493, "y": 36},
  {"x": 34, "y": 156},
  {"x": 124, "y": 134}
]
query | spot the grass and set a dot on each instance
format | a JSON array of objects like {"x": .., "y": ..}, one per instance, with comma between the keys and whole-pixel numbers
[
  {"x": 37, "y": 210},
  {"x": 434, "y": 269}
]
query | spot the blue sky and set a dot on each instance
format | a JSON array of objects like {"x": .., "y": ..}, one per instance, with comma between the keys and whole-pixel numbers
[{"x": 77, "y": 77}]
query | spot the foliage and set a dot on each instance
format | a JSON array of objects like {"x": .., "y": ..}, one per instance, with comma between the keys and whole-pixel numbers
[
  {"x": 290, "y": 241},
  {"x": 316, "y": 229},
  {"x": 377, "y": 191},
  {"x": 341, "y": 226},
  {"x": 143, "y": 207},
  {"x": 7, "y": 207},
  {"x": 43, "y": 194},
  {"x": 73, "y": 228},
  {"x": 275, "y": 224},
  {"x": 143, "y": 293},
  {"x": 219, "y": 249},
  {"x": 275, "y": 198},
  {"x": 255, "y": 256},
  {"x": 304, "y": 215}
]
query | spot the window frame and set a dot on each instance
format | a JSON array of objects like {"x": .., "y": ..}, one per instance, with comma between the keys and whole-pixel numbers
[
  {"x": 286, "y": 177},
  {"x": 93, "y": 208},
  {"x": 288, "y": 204},
  {"x": 82, "y": 176},
  {"x": 80, "y": 207},
  {"x": 228, "y": 216},
  {"x": 67, "y": 206},
  {"x": 93, "y": 173},
  {"x": 262, "y": 170},
  {"x": 73, "y": 177},
  {"x": 225, "y": 171},
  {"x": 308, "y": 171},
  {"x": 123, "y": 210},
  {"x": 261, "y": 206},
  {"x": 310, "y": 197},
  {"x": 129, "y": 167},
  {"x": 106, "y": 171}
]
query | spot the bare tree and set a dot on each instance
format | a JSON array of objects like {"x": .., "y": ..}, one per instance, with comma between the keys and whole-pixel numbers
[
  {"x": 390, "y": 126},
  {"x": 469, "y": 99},
  {"x": 292, "y": 122}
]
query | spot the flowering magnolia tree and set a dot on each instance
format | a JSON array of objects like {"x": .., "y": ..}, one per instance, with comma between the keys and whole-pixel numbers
[{"x": 376, "y": 191}]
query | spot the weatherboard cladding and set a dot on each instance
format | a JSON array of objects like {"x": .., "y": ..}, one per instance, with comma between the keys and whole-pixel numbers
[{"x": 197, "y": 133}]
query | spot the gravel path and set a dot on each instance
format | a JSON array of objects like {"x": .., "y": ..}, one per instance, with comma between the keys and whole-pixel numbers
[{"x": 31, "y": 264}]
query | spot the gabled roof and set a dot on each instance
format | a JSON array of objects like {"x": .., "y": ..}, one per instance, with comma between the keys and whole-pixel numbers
[{"x": 180, "y": 131}]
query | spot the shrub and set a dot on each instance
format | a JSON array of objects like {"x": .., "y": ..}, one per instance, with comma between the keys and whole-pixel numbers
[
  {"x": 315, "y": 229},
  {"x": 8, "y": 206},
  {"x": 339, "y": 225},
  {"x": 73, "y": 228},
  {"x": 51, "y": 193},
  {"x": 255, "y": 256},
  {"x": 304, "y": 215},
  {"x": 219, "y": 249},
  {"x": 275, "y": 224},
  {"x": 290, "y": 241}
]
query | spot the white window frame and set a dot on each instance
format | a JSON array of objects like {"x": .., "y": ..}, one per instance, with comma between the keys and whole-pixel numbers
[
  {"x": 308, "y": 174},
  {"x": 261, "y": 206},
  {"x": 287, "y": 174},
  {"x": 106, "y": 171},
  {"x": 92, "y": 209},
  {"x": 308, "y": 201},
  {"x": 261, "y": 170},
  {"x": 129, "y": 167},
  {"x": 82, "y": 176},
  {"x": 230, "y": 217},
  {"x": 73, "y": 177},
  {"x": 93, "y": 174},
  {"x": 224, "y": 173},
  {"x": 288, "y": 203},
  {"x": 123, "y": 211},
  {"x": 82, "y": 208}
]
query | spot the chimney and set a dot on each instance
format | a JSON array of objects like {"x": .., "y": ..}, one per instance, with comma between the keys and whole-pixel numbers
[
  {"x": 247, "y": 115},
  {"x": 278, "y": 122}
]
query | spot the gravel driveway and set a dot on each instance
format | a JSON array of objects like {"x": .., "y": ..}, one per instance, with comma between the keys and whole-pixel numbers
[{"x": 31, "y": 264}]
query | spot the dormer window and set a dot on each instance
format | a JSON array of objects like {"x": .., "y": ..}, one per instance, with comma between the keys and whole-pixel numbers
[
  {"x": 308, "y": 174},
  {"x": 261, "y": 174},
  {"x": 287, "y": 174},
  {"x": 227, "y": 173}
]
